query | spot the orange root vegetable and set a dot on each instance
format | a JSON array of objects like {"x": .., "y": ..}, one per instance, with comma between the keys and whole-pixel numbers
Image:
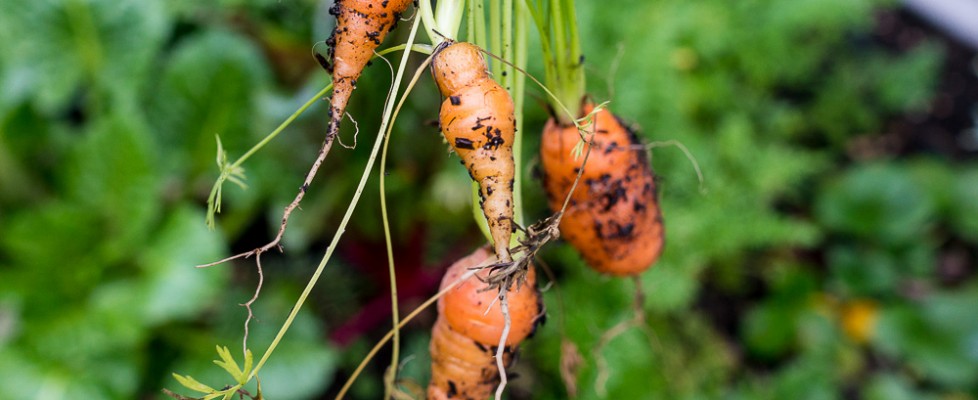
[
  {"x": 465, "y": 338},
  {"x": 477, "y": 121},
  {"x": 613, "y": 218},
  {"x": 361, "y": 26}
]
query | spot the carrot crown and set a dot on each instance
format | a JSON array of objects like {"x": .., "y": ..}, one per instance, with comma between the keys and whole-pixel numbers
[{"x": 458, "y": 65}]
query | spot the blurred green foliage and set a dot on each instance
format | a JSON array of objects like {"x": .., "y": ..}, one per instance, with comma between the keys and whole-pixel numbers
[{"x": 793, "y": 271}]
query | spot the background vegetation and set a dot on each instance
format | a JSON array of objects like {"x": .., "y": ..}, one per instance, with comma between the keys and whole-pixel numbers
[{"x": 829, "y": 253}]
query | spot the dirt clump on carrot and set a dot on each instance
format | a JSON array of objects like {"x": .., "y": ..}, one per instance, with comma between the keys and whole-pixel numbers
[
  {"x": 477, "y": 120},
  {"x": 613, "y": 217},
  {"x": 465, "y": 337}
]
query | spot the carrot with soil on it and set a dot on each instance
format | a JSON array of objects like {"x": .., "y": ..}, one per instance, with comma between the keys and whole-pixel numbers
[
  {"x": 613, "y": 217},
  {"x": 465, "y": 337},
  {"x": 361, "y": 26},
  {"x": 477, "y": 120}
]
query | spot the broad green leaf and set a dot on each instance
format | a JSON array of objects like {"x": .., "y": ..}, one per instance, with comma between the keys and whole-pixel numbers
[
  {"x": 58, "y": 46},
  {"x": 876, "y": 202},
  {"x": 807, "y": 378},
  {"x": 936, "y": 337},
  {"x": 886, "y": 386},
  {"x": 671, "y": 285},
  {"x": 309, "y": 368},
  {"x": 862, "y": 271},
  {"x": 27, "y": 238},
  {"x": 21, "y": 377},
  {"x": 98, "y": 337},
  {"x": 936, "y": 178},
  {"x": 100, "y": 362},
  {"x": 172, "y": 287},
  {"x": 209, "y": 87},
  {"x": 113, "y": 172}
]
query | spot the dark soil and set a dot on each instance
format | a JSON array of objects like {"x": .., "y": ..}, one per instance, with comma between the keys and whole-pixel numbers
[{"x": 947, "y": 127}]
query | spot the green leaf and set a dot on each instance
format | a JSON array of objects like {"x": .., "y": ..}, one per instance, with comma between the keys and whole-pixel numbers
[
  {"x": 25, "y": 376},
  {"x": 876, "y": 202},
  {"x": 192, "y": 384},
  {"x": 208, "y": 88},
  {"x": 172, "y": 288},
  {"x": 964, "y": 208},
  {"x": 21, "y": 377},
  {"x": 892, "y": 387},
  {"x": 248, "y": 363},
  {"x": 769, "y": 330},
  {"x": 936, "y": 336},
  {"x": 864, "y": 271},
  {"x": 308, "y": 370},
  {"x": 28, "y": 237},
  {"x": 227, "y": 362},
  {"x": 935, "y": 177},
  {"x": 113, "y": 173},
  {"x": 807, "y": 378},
  {"x": 774, "y": 327},
  {"x": 28, "y": 153},
  {"x": 59, "y": 45},
  {"x": 674, "y": 287},
  {"x": 906, "y": 83}
]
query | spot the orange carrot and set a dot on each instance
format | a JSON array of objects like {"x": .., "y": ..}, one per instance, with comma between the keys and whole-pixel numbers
[
  {"x": 464, "y": 339},
  {"x": 361, "y": 26},
  {"x": 477, "y": 121},
  {"x": 613, "y": 217}
]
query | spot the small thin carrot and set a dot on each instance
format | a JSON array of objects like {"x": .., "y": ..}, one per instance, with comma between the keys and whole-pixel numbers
[{"x": 361, "y": 26}]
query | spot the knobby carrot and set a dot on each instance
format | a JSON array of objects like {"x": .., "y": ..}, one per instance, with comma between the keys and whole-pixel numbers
[
  {"x": 613, "y": 218},
  {"x": 465, "y": 337},
  {"x": 477, "y": 120}
]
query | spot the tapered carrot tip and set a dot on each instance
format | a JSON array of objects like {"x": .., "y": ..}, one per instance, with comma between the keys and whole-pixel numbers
[
  {"x": 613, "y": 218},
  {"x": 361, "y": 26}
]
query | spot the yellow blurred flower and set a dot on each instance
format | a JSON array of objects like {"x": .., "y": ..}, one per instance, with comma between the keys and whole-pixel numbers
[{"x": 858, "y": 319}]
